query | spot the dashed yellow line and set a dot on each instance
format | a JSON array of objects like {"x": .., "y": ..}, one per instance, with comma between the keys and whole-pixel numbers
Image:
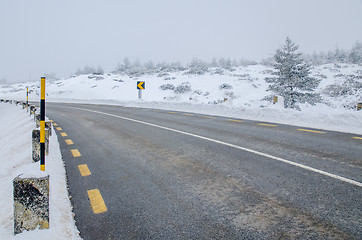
[
  {"x": 96, "y": 201},
  {"x": 234, "y": 120},
  {"x": 63, "y": 134},
  {"x": 172, "y": 112},
  {"x": 75, "y": 153},
  {"x": 69, "y": 141},
  {"x": 207, "y": 117},
  {"x": 84, "y": 170},
  {"x": 268, "y": 125},
  {"x": 59, "y": 128},
  {"x": 358, "y": 138},
  {"x": 307, "y": 130},
  {"x": 54, "y": 124}
]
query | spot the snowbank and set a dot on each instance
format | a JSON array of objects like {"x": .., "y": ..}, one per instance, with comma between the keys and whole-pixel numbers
[{"x": 15, "y": 156}]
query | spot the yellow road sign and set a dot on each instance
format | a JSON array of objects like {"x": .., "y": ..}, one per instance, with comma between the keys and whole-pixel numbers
[{"x": 141, "y": 85}]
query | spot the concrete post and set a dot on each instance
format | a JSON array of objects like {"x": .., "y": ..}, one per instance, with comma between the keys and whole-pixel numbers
[
  {"x": 31, "y": 204},
  {"x": 36, "y": 144}
]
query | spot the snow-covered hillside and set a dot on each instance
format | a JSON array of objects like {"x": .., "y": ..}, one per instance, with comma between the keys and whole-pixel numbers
[
  {"x": 238, "y": 92},
  {"x": 341, "y": 87}
]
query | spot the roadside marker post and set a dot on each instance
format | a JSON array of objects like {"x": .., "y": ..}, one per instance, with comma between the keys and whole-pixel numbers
[
  {"x": 140, "y": 87},
  {"x": 31, "y": 195},
  {"x": 42, "y": 124},
  {"x": 275, "y": 99},
  {"x": 27, "y": 99},
  {"x": 359, "y": 106},
  {"x": 31, "y": 204}
]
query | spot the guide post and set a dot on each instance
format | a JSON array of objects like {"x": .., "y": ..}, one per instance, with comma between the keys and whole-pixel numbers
[
  {"x": 42, "y": 124},
  {"x": 140, "y": 87}
]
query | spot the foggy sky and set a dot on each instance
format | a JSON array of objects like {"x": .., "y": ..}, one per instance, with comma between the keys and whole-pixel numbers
[{"x": 60, "y": 36}]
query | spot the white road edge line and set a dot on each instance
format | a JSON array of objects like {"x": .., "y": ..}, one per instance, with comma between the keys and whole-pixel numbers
[{"x": 234, "y": 146}]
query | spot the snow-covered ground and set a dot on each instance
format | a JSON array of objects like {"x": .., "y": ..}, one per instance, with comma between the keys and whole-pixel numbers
[
  {"x": 244, "y": 90},
  {"x": 15, "y": 155}
]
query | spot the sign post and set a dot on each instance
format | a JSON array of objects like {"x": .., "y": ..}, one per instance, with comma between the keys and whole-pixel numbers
[
  {"x": 140, "y": 87},
  {"x": 27, "y": 99},
  {"x": 42, "y": 124}
]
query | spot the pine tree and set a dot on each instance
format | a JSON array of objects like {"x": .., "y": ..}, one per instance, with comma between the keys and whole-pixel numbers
[
  {"x": 292, "y": 78},
  {"x": 355, "y": 55},
  {"x": 100, "y": 70}
]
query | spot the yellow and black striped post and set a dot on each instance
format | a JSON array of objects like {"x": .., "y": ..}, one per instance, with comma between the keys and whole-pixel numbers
[{"x": 42, "y": 124}]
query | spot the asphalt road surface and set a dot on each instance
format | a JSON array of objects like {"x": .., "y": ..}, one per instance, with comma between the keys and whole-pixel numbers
[{"x": 136, "y": 173}]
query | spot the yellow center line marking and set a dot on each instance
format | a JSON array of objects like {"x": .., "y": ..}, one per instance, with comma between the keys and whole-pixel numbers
[
  {"x": 84, "y": 170},
  {"x": 96, "y": 201},
  {"x": 156, "y": 110},
  {"x": 50, "y": 120},
  {"x": 307, "y": 130},
  {"x": 63, "y": 134},
  {"x": 234, "y": 120},
  {"x": 268, "y": 125},
  {"x": 207, "y": 117},
  {"x": 75, "y": 153},
  {"x": 188, "y": 114},
  {"x": 54, "y": 124},
  {"x": 59, "y": 128},
  {"x": 69, "y": 141},
  {"x": 358, "y": 138},
  {"x": 171, "y": 112}
]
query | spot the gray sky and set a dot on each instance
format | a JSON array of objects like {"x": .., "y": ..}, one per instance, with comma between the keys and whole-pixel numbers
[{"x": 60, "y": 36}]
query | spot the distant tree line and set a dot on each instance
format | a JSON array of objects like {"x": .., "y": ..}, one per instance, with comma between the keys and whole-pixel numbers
[
  {"x": 338, "y": 55},
  {"x": 196, "y": 66},
  {"x": 3, "y": 81},
  {"x": 89, "y": 70},
  {"x": 218, "y": 66}
]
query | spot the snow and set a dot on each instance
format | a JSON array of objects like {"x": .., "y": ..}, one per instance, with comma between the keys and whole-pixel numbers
[
  {"x": 245, "y": 96},
  {"x": 15, "y": 154}
]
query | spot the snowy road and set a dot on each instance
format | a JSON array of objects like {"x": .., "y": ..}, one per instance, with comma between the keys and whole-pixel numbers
[{"x": 178, "y": 175}]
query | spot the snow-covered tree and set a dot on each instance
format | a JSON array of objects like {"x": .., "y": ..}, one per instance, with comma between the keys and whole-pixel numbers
[
  {"x": 197, "y": 67},
  {"x": 50, "y": 76},
  {"x": 3, "y": 81},
  {"x": 292, "y": 78},
  {"x": 355, "y": 55},
  {"x": 149, "y": 65},
  {"x": 100, "y": 70},
  {"x": 126, "y": 62},
  {"x": 86, "y": 70},
  {"x": 340, "y": 55},
  {"x": 213, "y": 63}
]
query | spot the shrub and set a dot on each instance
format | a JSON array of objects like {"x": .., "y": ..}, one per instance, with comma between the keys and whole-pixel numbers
[
  {"x": 183, "y": 88},
  {"x": 167, "y": 87},
  {"x": 225, "y": 86}
]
